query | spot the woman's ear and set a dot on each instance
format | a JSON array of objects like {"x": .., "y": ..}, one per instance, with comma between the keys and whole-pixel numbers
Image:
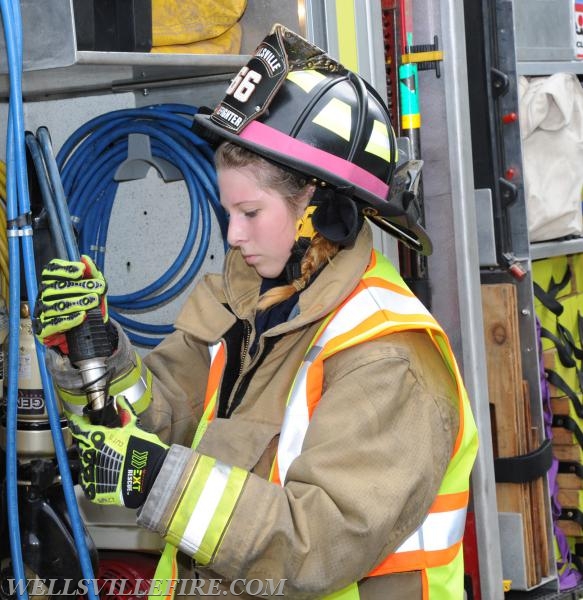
[{"x": 304, "y": 200}]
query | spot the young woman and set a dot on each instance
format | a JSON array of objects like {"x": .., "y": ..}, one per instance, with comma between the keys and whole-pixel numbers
[{"x": 306, "y": 425}]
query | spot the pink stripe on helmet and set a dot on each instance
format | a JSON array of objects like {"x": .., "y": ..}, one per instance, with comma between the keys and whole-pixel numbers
[{"x": 279, "y": 142}]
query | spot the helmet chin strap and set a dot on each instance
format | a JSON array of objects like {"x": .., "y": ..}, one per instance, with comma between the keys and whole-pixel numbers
[
  {"x": 333, "y": 214},
  {"x": 305, "y": 233}
]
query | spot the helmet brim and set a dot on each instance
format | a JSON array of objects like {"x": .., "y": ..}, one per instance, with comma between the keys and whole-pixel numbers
[{"x": 413, "y": 236}]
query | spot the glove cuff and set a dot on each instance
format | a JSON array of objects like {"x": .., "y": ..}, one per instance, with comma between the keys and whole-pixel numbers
[
  {"x": 153, "y": 513},
  {"x": 143, "y": 462}
]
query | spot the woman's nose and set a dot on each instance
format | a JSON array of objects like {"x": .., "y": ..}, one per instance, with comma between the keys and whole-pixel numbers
[{"x": 235, "y": 232}]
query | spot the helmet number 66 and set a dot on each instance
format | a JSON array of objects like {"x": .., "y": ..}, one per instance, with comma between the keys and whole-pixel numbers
[{"x": 243, "y": 84}]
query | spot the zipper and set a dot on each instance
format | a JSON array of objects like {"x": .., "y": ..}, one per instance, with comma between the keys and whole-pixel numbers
[
  {"x": 243, "y": 381},
  {"x": 247, "y": 329},
  {"x": 237, "y": 342},
  {"x": 244, "y": 346}
]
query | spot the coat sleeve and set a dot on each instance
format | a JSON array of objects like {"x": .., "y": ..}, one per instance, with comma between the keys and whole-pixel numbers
[
  {"x": 180, "y": 364},
  {"x": 179, "y": 367},
  {"x": 372, "y": 461}
]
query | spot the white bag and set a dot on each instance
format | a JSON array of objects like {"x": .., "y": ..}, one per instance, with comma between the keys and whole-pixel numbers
[{"x": 551, "y": 127}]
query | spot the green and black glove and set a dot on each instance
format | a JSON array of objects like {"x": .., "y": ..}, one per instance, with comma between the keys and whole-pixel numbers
[
  {"x": 119, "y": 464},
  {"x": 68, "y": 289}
]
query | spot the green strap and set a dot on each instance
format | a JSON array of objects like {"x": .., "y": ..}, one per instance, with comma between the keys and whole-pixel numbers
[
  {"x": 204, "y": 422},
  {"x": 168, "y": 558},
  {"x": 164, "y": 571},
  {"x": 350, "y": 592}
]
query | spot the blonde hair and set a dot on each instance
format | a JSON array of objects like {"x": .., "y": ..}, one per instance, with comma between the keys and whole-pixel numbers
[{"x": 293, "y": 187}]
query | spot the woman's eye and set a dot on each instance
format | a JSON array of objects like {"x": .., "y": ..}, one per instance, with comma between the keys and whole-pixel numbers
[{"x": 251, "y": 213}]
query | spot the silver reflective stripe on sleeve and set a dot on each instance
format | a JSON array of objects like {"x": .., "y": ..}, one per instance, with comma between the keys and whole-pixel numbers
[{"x": 205, "y": 508}]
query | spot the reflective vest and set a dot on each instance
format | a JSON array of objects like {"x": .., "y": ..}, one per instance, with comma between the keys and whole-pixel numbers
[{"x": 379, "y": 305}]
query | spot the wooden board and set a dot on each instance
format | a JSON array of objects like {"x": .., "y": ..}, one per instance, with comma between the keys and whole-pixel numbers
[
  {"x": 550, "y": 359},
  {"x": 571, "y": 498},
  {"x": 570, "y": 528},
  {"x": 563, "y": 437},
  {"x": 569, "y": 481},
  {"x": 561, "y": 406},
  {"x": 568, "y": 452},
  {"x": 512, "y": 431}
]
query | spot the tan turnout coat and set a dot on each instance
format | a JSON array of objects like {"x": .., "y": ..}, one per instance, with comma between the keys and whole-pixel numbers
[{"x": 373, "y": 457}]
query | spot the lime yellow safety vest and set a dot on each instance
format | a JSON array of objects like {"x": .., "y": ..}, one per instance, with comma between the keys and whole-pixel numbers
[{"x": 379, "y": 305}]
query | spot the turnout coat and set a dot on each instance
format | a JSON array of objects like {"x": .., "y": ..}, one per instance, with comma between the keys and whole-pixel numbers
[{"x": 373, "y": 457}]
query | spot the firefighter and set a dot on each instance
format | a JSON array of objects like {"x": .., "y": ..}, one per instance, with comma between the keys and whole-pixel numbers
[{"x": 306, "y": 425}]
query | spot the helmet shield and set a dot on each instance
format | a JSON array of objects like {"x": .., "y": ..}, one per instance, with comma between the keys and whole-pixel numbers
[
  {"x": 252, "y": 89},
  {"x": 294, "y": 105}
]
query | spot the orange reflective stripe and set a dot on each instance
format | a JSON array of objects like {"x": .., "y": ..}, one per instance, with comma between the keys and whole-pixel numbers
[
  {"x": 376, "y": 282},
  {"x": 173, "y": 579},
  {"x": 397, "y": 562},
  {"x": 274, "y": 475},
  {"x": 420, "y": 320},
  {"x": 171, "y": 590},
  {"x": 378, "y": 321},
  {"x": 424, "y": 585},
  {"x": 383, "y": 283},
  {"x": 445, "y": 502},
  {"x": 457, "y": 376},
  {"x": 460, "y": 435},
  {"x": 315, "y": 382},
  {"x": 215, "y": 374}
]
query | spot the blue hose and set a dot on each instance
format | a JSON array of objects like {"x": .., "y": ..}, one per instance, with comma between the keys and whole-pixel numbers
[
  {"x": 58, "y": 193},
  {"x": 13, "y": 359},
  {"x": 88, "y": 162},
  {"x": 18, "y": 213},
  {"x": 15, "y": 61},
  {"x": 46, "y": 193}
]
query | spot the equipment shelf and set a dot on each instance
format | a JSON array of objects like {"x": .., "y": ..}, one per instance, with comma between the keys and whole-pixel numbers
[
  {"x": 556, "y": 248},
  {"x": 124, "y": 71},
  {"x": 540, "y": 68},
  {"x": 53, "y": 66}
]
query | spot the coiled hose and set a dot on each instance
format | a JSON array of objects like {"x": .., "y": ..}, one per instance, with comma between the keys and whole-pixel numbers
[
  {"x": 19, "y": 228},
  {"x": 89, "y": 161}
]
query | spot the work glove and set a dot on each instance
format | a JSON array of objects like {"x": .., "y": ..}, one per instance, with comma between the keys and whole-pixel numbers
[
  {"x": 118, "y": 464},
  {"x": 68, "y": 289}
]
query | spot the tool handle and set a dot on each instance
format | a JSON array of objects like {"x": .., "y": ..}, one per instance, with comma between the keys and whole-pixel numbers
[
  {"x": 89, "y": 346},
  {"x": 90, "y": 339}
]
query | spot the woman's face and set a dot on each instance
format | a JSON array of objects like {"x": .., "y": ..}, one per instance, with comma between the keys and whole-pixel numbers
[{"x": 262, "y": 223}]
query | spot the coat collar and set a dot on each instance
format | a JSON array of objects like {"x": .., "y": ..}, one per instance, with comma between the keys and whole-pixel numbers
[{"x": 205, "y": 315}]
